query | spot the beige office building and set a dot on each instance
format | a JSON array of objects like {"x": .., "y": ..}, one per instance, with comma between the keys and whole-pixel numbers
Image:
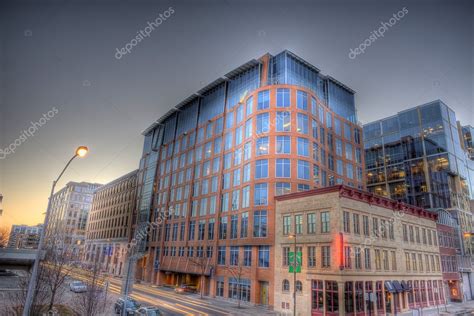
[
  {"x": 355, "y": 246},
  {"x": 109, "y": 224}
]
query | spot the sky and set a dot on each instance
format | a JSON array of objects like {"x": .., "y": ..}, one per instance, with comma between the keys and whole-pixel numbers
[{"x": 60, "y": 79}]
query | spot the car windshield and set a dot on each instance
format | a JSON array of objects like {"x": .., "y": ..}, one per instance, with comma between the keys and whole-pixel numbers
[
  {"x": 132, "y": 304},
  {"x": 153, "y": 312},
  {"x": 77, "y": 283}
]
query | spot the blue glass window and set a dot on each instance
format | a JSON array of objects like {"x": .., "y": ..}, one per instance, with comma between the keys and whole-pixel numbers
[
  {"x": 264, "y": 256},
  {"x": 283, "y": 144},
  {"x": 261, "y": 194},
  {"x": 261, "y": 168},
  {"x": 249, "y": 106},
  {"x": 263, "y": 100},
  {"x": 303, "y": 170},
  {"x": 303, "y": 147},
  {"x": 283, "y": 167},
  {"x": 260, "y": 224},
  {"x": 283, "y": 121},
  {"x": 283, "y": 98},
  {"x": 262, "y": 146},
  {"x": 302, "y": 100},
  {"x": 263, "y": 123},
  {"x": 302, "y": 123}
]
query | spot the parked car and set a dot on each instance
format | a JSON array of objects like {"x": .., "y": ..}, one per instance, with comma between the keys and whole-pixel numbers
[
  {"x": 148, "y": 311},
  {"x": 77, "y": 287},
  {"x": 183, "y": 288},
  {"x": 130, "y": 306}
]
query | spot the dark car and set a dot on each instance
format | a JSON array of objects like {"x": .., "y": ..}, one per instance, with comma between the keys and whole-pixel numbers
[
  {"x": 186, "y": 288},
  {"x": 130, "y": 306},
  {"x": 148, "y": 311}
]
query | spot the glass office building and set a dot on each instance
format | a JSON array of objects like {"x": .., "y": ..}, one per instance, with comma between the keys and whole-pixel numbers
[
  {"x": 212, "y": 165},
  {"x": 418, "y": 157}
]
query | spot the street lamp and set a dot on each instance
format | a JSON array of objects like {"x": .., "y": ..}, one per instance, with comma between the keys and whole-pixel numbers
[
  {"x": 293, "y": 236},
  {"x": 81, "y": 152}
]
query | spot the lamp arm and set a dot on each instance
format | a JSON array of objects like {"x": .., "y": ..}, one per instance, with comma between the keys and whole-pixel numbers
[{"x": 67, "y": 165}]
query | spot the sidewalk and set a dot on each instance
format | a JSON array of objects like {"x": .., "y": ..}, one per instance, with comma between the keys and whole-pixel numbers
[{"x": 466, "y": 308}]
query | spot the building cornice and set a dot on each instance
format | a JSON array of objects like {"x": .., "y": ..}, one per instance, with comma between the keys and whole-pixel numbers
[{"x": 365, "y": 197}]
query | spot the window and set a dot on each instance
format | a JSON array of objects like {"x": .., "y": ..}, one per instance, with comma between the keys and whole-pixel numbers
[
  {"x": 299, "y": 224},
  {"x": 263, "y": 123},
  {"x": 385, "y": 260},
  {"x": 283, "y": 144},
  {"x": 303, "y": 147},
  {"x": 299, "y": 287},
  {"x": 220, "y": 288},
  {"x": 346, "y": 221},
  {"x": 357, "y": 258},
  {"x": 261, "y": 169},
  {"x": 239, "y": 114},
  {"x": 367, "y": 262},
  {"x": 347, "y": 258},
  {"x": 338, "y": 147},
  {"x": 365, "y": 223},
  {"x": 282, "y": 188},
  {"x": 283, "y": 98},
  {"x": 247, "y": 256},
  {"x": 246, "y": 177},
  {"x": 221, "y": 255},
  {"x": 283, "y": 167},
  {"x": 233, "y": 226},
  {"x": 248, "y": 128},
  {"x": 303, "y": 170},
  {"x": 244, "y": 225},
  {"x": 355, "y": 223},
  {"x": 314, "y": 128},
  {"x": 325, "y": 256},
  {"x": 210, "y": 229},
  {"x": 263, "y": 100},
  {"x": 325, "y": 222},
  {"x": 311, "y": 219},
  {"x": 246, "y": 197},
  {"x": 286, "y": 225},
  {"x": 260, "y": 194},
  {"x": 283, "y": 121},
  {"x": 249, "y": 106},
  {"x": 262, "y": 146},
  {"x": 285, "y": 256},
  {"x": 302, "y": 123},
  {"x": 302, "y": 100},
  {"x": 260, "y": 224},
  {"x": 234, "y": 255},
  {"x": 311, "y": 257},
  {"x": 264, "y": 256},
  {"x": 223, "y": 228},
  {"x": 378, "y": 262},
  {"x": 247, "y": 151},
  {"x": 192, "y": 226},
  {"x": 285, "y": 286}
]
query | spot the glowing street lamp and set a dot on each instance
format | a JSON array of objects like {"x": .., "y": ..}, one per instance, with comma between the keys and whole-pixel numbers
[{"x": 81, "y": 152}]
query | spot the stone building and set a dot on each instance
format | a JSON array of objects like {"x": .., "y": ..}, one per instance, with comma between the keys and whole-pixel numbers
[
  {"x": 109, "y": 224},
  {"x": 355, "y": 246}
]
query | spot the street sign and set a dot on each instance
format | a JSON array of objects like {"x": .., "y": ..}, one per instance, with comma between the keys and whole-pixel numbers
[{"x": 291, "y": 258}]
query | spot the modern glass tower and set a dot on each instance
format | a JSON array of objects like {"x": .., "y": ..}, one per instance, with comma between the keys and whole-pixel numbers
[
  {"x": 418, "y": 156},
  {"x": 212, "y": 165}
]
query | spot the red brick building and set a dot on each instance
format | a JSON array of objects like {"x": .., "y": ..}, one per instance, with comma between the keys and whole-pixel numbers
[{"x": 215, "y": 162}]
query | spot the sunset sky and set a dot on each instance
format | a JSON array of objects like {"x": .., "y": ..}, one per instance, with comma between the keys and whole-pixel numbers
[{"x": 61, "y": 55}]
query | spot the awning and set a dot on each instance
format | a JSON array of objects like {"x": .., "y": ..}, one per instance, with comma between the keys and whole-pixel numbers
[
  {"x": 406, "y": 286},
  {"x": 398, "y": 287},
  {"x": 389, "y": 287}
]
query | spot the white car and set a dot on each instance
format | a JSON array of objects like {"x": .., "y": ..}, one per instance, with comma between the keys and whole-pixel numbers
[{"x": 77, "y": 287}]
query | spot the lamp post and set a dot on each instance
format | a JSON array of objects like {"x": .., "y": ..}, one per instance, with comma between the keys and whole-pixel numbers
[
  {"x": 81, "y": 151},
  {"x": 293, "y": 236}
]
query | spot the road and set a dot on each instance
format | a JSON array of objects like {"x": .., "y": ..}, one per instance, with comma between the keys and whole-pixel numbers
[{"x": 169, "y": 302}]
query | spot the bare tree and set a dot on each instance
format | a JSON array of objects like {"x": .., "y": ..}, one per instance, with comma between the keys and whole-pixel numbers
[
  {"x": 4, "y": 236},
  {"x": 94, "y": 301},
  {"x": 237, "y": 271},
  {"x": 202, "y": 263}
]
